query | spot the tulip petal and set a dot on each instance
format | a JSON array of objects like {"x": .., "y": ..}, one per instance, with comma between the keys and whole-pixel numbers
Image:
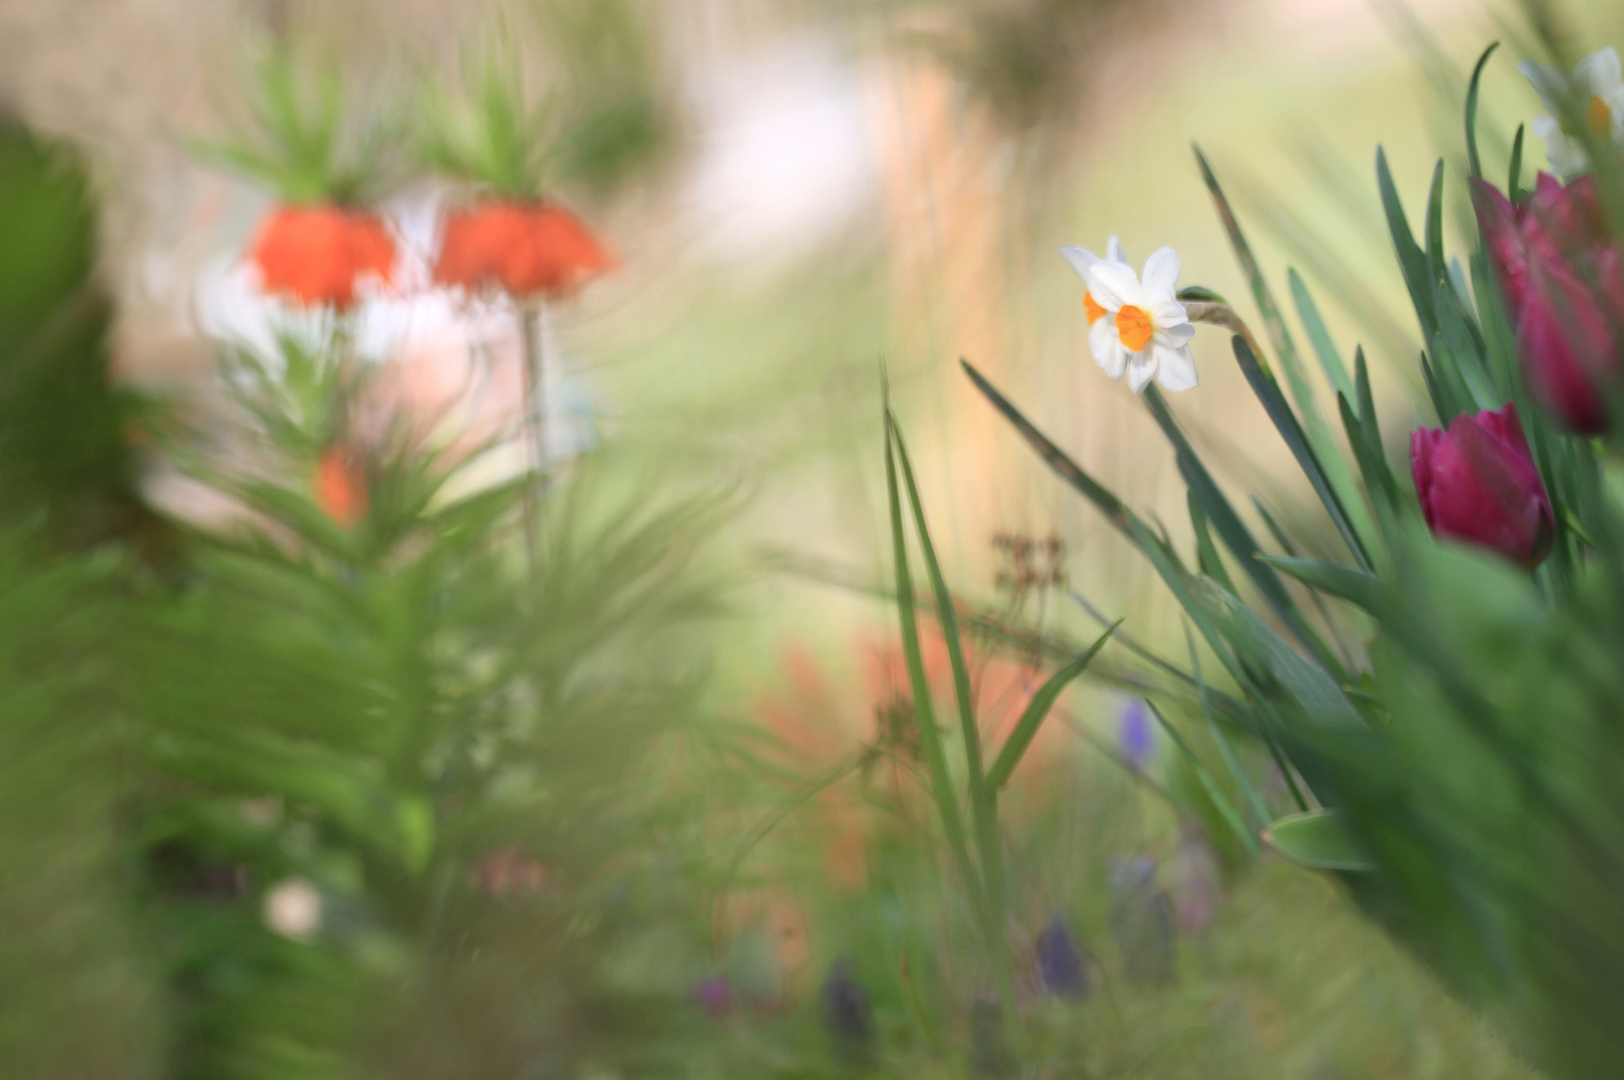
[
  {"x": 1114, "y": 285},
  {"x": 1175, "y": 368}
]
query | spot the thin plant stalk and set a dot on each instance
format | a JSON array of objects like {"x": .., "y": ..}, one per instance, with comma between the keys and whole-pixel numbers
[{"x": 534, "y": 374}]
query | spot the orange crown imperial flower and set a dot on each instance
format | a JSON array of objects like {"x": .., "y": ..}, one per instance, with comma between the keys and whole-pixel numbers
[
  {"x": 314, "y": 255},
  {"x": 526, "y": 249},
  {"x": 341, "y": 486}
]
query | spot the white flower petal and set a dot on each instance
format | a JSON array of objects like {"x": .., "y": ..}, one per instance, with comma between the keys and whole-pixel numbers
[
  {"x": 1566, "y": 156},
  {"x": 1114, "y": 285},
  {"x": 1161, "y": 274},
  {"x": 1081, "y": 259},
  {"x": 1107, "y": 348},
  {"x": 1174, "y": 336},
  {"x": 1599, "y": 74},
  {"x": 1165, "y": 313},
  {"x": 1114, "y": 252},
  {"x": 1549, "y": 83},
  {"x": 1141, "y": 370},
  {"x": 1175, "y": 368}
]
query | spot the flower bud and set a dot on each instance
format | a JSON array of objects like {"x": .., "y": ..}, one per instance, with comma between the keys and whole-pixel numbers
[
  {"x": 1564, "y": 290},
  {"x": 847, "y": 1015},
  {"x": 1477, "y": 483},
  {"x": 1059, "y": 966}
]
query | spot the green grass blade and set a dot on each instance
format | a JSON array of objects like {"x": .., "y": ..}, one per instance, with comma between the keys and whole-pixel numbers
[
  {"x": 1026, "y": 728},
  {"x": 1069, "y": 471},
  {"x": 930, "y": 739},
  {"x": 983, "y": 805},
  {"x": 1220, "y": 800}
]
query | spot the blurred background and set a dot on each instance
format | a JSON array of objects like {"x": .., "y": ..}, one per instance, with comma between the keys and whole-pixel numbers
[{"x": 801, "y": 194}]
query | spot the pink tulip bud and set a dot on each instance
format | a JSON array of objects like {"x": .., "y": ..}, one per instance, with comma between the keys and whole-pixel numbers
[
  {"x": 1564, "y": 291},
  {"x": 1477, "y": 483}
]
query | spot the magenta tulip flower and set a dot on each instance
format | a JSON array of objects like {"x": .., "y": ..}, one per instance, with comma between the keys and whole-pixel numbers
[
  {"x": 1477, "y": 483},
  {"x": 1560, "y": 274}
]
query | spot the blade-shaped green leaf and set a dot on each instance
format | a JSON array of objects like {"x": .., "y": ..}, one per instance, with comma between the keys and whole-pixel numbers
[
  {"x": 1026, "y": 728},
  {"x": 1318, "y": 840},
  {"x": 1308, "y": 312},
  {"x": 1471, "y": 110},
  {"x": 1219, "y": 799},
  {"x": 1355, "y": 586},
  {"x": 1286, "y": 424},
  {"x": 983, "y": 811}
]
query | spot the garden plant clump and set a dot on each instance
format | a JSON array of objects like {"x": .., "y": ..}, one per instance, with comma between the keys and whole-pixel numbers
[{"x": 418, "y": 756}]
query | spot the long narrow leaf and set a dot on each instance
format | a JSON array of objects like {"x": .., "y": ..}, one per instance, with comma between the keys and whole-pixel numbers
[
  {"x": 1026, "y": 728},
  {"x": 1220, "y": 800},
  {"x": 1236, "y": 536},
  {"x": 1308, "y": 313},
  {"x": 1286, "y": 424},
  {"x": 930, "y": 739},
  {"x": 1259, "y": 808},
  {"x": 983, "y": 811}
]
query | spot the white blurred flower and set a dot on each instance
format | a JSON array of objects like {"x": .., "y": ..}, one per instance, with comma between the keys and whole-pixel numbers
[
  {"x": 1141, "y": 326},
  {"x": 293, "y": 909},
  {"x": 1082, "y": 260},
  {"x": 1597, "y": 87}
]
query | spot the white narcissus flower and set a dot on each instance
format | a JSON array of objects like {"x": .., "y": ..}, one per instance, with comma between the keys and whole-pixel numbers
[
  {"x": 1140, "y": 326},
  {"x": 1597, "y": 87},
  {"x": 1082, "y": 260}
]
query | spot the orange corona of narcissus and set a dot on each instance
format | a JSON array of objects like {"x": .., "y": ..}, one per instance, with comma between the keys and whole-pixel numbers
[
  {"x": 341, "y": 486},
  {"x": 525, "y": 249},
  {"x": 315, "y": 255}
]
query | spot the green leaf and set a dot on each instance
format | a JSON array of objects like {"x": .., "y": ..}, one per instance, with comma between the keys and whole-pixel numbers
[
  {"x": 1317, "y": 840},
  {"x": 1330, "y": 360},
  {"x": 1471, "y": 110},
  {"x": 1096, "y": 493},
  {"x": 983, "y": 811},
  {"x": 1207, "y": 557},
  {"x": 1259, "y": 808},
  {"x": 1026, "y": 728},
  {"x": 1355, "y": 586},
  {"x": 1285, "y": 423},
  {"x": 930, "y": 739},
  {"x": 1411, "y": 259},
  {"x": 1235, "y": 535},
  {"x": 1514, "y": 187},
  {"x": 1225, "y": 807}
]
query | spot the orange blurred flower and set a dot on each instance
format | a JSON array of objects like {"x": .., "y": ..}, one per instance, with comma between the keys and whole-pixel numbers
[
  {"x": 526, "y": 249},
  {"x": 314, "y": 255},
  {"x": 341, "y": 485}
]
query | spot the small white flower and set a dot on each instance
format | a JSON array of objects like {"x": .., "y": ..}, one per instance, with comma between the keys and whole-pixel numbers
[
  {"x": 1138, "y": 326},
  {"x": 1082, "y": 260},
  {"x": 1597, "y": 87},
  {"x": 293, "y": 909}
]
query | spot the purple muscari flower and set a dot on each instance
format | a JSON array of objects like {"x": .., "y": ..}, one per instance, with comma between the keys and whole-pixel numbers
[
  {"x": 1135, "y": 734},
  {"x": 713, "y": 994},
  {"x": 1142, "y": 921},
  {"x": 1059, "y": 967},
  {"x": 847, "y": 1015}
]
